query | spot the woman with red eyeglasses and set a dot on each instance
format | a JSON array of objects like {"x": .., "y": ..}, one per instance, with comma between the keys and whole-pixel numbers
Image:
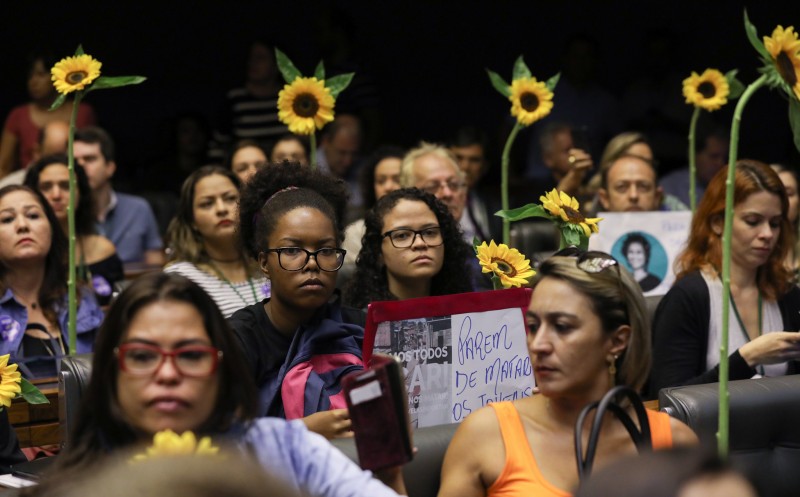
[
  {"x": 166, "y": 359},
  {"x": 587, "y": 331}
]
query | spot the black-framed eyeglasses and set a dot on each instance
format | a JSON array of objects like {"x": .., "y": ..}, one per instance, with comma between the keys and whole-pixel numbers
[
  {"x": 295, "y": 258},
  {"x": 141, "y": 359},
  {"x": 404, "y": 238}
]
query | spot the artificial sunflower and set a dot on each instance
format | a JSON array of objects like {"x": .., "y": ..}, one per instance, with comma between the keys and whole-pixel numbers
[
  {"x": 74, "y": 73},
  {"x": 709, "y": 90},
  {"x": 305, "y": 104},
  {"x": 531, "y": 100},
  {"x": 168, "y": 443},
  {"x": 10, "y": 384},
  {"x": 562, "y": 206},
  {"x": 508, "y": 264},
  {"x": 784, "y": 47}
]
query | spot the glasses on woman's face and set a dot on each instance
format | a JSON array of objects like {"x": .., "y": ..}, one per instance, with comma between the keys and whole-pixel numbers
[
  {"x": 140, "y": 359},
  {"x": 404, "y": 238},
  {"x": 295, "y": 258}
]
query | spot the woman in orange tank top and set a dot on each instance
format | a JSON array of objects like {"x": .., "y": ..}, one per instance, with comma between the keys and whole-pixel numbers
[{"x": 587, "y": 330}]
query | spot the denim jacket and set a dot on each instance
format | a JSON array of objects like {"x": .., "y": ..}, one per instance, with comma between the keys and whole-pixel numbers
[{"x": 14, "y": 320}]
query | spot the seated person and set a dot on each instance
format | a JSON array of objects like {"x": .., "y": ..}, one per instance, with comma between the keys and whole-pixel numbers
[
  {"x": 380, "y": 174},
  {"x": 205, "y": 245},
  {"x": 246, "y": 158},
  {"x": 587, "y": 331},
  {"x": 289, "y": 147},
  {"x": 411, "y": 248},
  {"x": 688, "y": 321},
  {"x": 167, "y": 360},
  {"x": 97, "y": 259},
  {"x": 33, "y": 282},
  {"x": 711, "y": 155},
  {"x": 290, "y": 219}
]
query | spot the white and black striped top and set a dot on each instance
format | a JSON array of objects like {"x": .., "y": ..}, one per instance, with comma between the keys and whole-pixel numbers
[{"x": 230, "y": 297}]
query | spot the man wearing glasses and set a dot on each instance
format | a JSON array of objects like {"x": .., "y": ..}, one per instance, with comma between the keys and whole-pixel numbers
[{"x": 433, "y": 168}]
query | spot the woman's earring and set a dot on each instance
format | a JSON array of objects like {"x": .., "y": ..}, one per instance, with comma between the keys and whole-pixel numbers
[{"x": 612, "y": 370}]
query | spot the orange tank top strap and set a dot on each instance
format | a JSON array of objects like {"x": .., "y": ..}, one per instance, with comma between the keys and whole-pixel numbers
[
  {"x": 520, "y": 476},
  {"x": 660, "y": 429}
]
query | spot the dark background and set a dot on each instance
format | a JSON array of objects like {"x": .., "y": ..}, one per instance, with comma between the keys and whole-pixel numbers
[{"x": 426, "y": 60}]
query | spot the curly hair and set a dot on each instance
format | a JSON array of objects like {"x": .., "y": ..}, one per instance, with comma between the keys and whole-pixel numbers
[
  {"x": 370, "y": 282},
  {"x": 280, "y": 188},
  {"x": 704, "y": 247},
  {"x": 366, "y": 181},
  {"x": 84, "y": 210},
  {"x": 639, "y": 238}
]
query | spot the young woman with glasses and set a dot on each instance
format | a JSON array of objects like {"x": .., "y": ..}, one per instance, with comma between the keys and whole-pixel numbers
[
  {"x": 290, "y": 220},
  {"x": 167, "y": 360},
  {"x": 412, "y": 247},
  {"x": 587, "y": 331}
]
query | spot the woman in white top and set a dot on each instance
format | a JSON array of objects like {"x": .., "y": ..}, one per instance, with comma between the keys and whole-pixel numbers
[{"x": 204, "y": 243}]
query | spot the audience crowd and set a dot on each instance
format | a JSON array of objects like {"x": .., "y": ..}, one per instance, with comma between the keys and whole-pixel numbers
[{"x": 219, "y": 307}]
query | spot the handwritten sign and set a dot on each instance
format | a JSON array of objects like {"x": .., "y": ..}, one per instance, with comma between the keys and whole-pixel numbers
[
  {"x": 646, "y": 243},
  {"x": 458, "y": 361}
]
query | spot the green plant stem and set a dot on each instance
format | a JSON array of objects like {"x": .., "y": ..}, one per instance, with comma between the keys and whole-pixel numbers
[
  {"x": 73, "y": 187},
  {"x": 723, "y": 429},
  {"x": 504, "y": 180},
  {"x": 312, "y": 139},
  {"x": 693, "y": 160}
]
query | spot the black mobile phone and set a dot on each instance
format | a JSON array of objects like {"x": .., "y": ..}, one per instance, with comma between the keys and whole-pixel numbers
[{"x": 581, "y": 138}]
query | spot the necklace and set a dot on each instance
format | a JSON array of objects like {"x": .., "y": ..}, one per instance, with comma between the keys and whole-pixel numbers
[
  {"x": 221, "y": 276},
  {"x": 760, "y": 368}
]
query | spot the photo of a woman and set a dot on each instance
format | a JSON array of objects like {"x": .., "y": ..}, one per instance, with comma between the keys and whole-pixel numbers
[{"x": 636, "y": 250}]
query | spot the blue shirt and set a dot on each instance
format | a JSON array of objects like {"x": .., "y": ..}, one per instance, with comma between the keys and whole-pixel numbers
[
  {"x": 14, "y": 320},
  {"x": 131, "y": 226},
  {"x": 676, "y": 184},
  {"x": 306, "y": 460}
]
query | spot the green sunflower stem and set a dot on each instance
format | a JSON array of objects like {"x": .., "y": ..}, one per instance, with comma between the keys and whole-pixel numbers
[
  {"x": 72, "y": 297},
  {"x": 504, "y": 180},
  {"x": 693, "y": 160},
  {"x": 723, "y": 429},
  {"x": 312, "y": 140}
]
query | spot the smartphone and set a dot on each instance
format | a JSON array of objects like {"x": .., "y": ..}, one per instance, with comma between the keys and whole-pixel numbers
[
  {"x": 378, "y": 406},
  {"x": 581, "y": 138}
]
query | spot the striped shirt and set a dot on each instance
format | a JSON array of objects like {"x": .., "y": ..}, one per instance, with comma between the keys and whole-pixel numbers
[
  {"x": 250, "y": 117},
  {"x": 230, "y": 297}
]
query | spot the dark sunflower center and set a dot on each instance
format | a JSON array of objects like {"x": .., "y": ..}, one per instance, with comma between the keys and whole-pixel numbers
[
  {"x": 707, "y": 89},
  {"x": 786, "y": 69},
  {"x": 574, "y": 216},
  {"x": 305, "y": 105},
  {"x": 76, "y": 77},
  {"x": 529, "y": 101},
  {"x": 505, "y": 267}
]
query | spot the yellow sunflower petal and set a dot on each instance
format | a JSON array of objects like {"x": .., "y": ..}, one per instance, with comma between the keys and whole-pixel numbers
[
  {"x": 708, "y": 91},
  {"x": 305, "y": 105},
  {"x": 531, "y": 100},
  {"x": 74, "y": 73},
  {"x": 784, "y": 46}
]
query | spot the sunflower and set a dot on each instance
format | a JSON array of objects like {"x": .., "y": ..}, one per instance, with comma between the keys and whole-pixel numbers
[
  {"x": 508, "y": 264},
  {"x": 530, "y": 100},
  {"x": 305, "y": 104},
  {"x": 564, "y": 207},
  {"x": 10, "y": 384},
  {"x": 74, "y": 73},
  {"x": 785, "y": 49},
  {"x": 168, "y": 443},
  {"x": 709, "y": 90}
]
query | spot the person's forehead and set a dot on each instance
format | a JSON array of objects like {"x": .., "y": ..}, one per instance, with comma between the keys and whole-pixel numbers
[
  {"x": 432, "y": 166},
  {"x": 472, "y": 150},
  {"x": 630, "y": 168}
]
